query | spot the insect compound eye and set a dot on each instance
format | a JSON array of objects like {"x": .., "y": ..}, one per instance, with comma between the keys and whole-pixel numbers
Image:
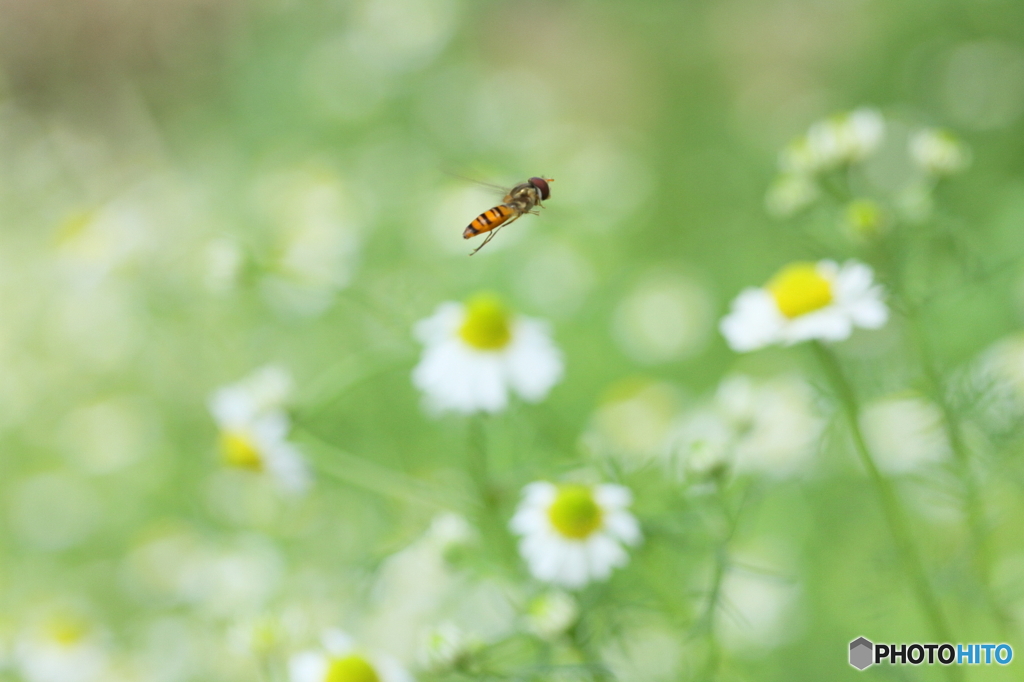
[{"x": 542, "y": 185}]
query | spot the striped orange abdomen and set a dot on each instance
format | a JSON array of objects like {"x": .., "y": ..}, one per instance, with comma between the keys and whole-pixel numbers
[{"x": 487, "y": 221}]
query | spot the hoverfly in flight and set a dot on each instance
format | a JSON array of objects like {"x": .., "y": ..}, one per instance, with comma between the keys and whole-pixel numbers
[{"x": 520, "y": 200}]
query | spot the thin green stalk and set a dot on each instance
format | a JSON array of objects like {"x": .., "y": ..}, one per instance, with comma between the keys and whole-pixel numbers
[
  {"x": 478, "y": 464},
  {"x": 890, "y": 503},
  {"x": 722, "y": 562},
  {"x": 981, "y": 545}
]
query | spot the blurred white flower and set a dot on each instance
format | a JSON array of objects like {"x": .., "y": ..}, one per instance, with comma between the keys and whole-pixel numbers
[
  {"x": 104, "y": 437},
  {"x": 633, "y": 420},
  {"x": 254, "y": 428},
  {"x": 905, "y": 433},
  {"x": 666, "y": 317},
  {"x": 446, "y": 647},
  {"x": 938, "y": 152},
  {"x": 752, "y": 426},
  {"x": 789, "y": 193},
  {"x": 806, "y": 301},
  {"x": 775, "y": 421},
  {"x": 574, "y": 534},
  {"x": 339, "y": 660},
  {"x": 419, "y": 586},
  {"x": 61, "y": 647},
  {"x": 997, "y": 383},
  {"x": 476, "y": 354},
  {"x": 448, "y": 530},
  {"x": 94, "y": 243},
  {"x": 756, "y": 611},
  {"x": 701, "y": 443},
  {"x": 649, "y": 652},
  {"x": 551, "y": 614},
  {"x": 223, "y": 264},
  {"x": 319, "y": 234},
  {"x": 844, "y": 138}
]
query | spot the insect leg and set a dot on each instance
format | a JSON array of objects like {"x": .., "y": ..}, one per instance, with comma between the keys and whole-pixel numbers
[{"x": 490, "y": 235}]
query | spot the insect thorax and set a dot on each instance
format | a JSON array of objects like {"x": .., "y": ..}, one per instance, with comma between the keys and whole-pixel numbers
[{"x": 523, "y": 197}]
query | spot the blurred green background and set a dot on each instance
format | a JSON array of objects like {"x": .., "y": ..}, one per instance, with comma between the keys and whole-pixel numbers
[{"x": 191, "y": 189}]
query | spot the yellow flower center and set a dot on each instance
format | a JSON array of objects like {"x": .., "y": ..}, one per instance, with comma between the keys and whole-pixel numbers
[
  {"x": 864, "y": 217},
  {"x": 574, "y": 513},
  {"x": 239, "y": 450},
  {"x": 351, "y": 668},
  {"x": 67, "y": 631},
  {"x": 487, "y": 324},
  {"x": 800, "y": 289}
]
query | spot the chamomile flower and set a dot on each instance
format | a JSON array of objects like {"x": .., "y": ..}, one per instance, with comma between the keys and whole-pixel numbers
[
  {"x": 447, "y": 646},
  {"x": 844, "y": 138},
  {"x": 254, "y": 428},
  {"x": 938, "y": 152},
  {"x": 806, "y": 301},
  {"x": 790, "y": 193},
  {"x": 62, "y": 648},
  {"x": 574, "y": 534},
  {"x": 550, "y": 615},
  {"x": 339, "y": 660},
  {"x": 479, "y": 352}
]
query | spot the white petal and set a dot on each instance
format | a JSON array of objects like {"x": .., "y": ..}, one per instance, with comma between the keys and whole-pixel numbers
[
  {"x": 440, "y": 326},
  {"x": 232, "y": 407},
  {"x": 532, "y": 361},
  {"x": 828, "y": 269},
  {"x": 869, "y": 312},
  {"x": 337, "y": 642},
  {"x": 391, "y": 670},
  {"x": 285, "y": 463},
  {"x": 308, "y": 666},
  {"x": 623, "y": 526},
  {"x": 852, "y": 280},
  {"x": 828, "y": 324},
  {"x": 540, "y": 493},
  {"x": 456, "y": 378},
  {"x": 574, "y": 570},
  {"x": 272, "y": 426},
  {"x": 612, "y": 497},
  {"x": 528, "y": 520},
  {"x": 543, "y": 554},
  {"x": 604, "y": 554},
  {"x": 754, "y": 322}
]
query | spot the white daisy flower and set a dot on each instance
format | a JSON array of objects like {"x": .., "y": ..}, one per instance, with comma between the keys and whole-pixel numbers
[
  {"x": 700, "y": 445},
  {"x": 339, "y": 660},
  {"x": 844, "y": 138},
  {"x": 574, "y": 534},
  {"x": 806, "y": 301},
  {"x": 447, "y": 646},
  {"x": 938, "y": 152},
  {"x": 789, "y": 193},
  {"x": 254, "y": 428},
  {"x": 62, "y": 648},
  {"x": 551, "y": 614},
  {"x": 476, "y": 354}
]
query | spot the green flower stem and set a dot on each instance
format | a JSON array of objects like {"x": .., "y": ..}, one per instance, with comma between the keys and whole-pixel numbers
[
  {"x": 974, "y": 507},
  {"x": 478, "y": 465},
  {"x": 890, "y": 503},
  {"x": 722, "y": 562}
]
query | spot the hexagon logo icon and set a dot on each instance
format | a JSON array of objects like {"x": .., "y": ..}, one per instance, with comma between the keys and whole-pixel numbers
[{"x": 861, "y": 651}]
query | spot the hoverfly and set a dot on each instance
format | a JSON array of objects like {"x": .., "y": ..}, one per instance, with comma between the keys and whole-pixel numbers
[{"x": 520, "y": 200}]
